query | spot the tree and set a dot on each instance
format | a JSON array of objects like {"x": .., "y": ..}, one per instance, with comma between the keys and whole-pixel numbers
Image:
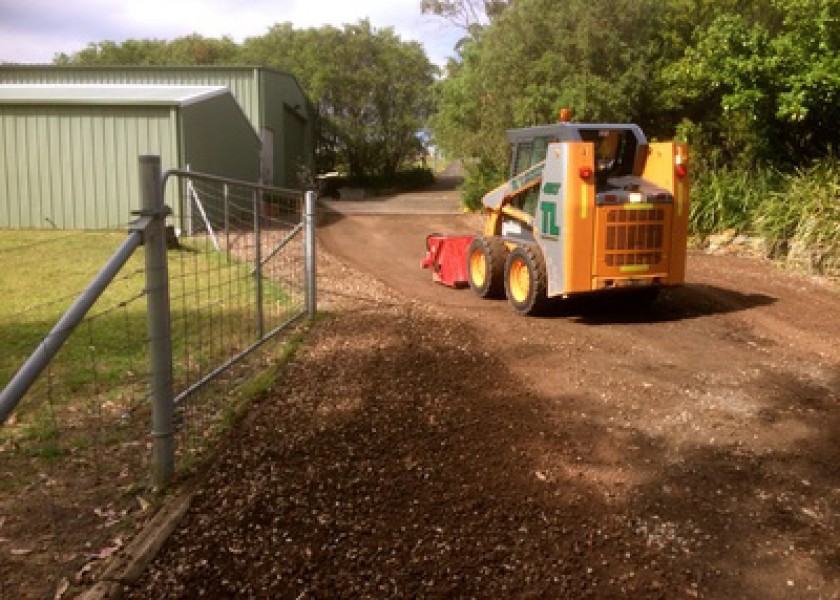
[
  {"x": 765, "y": 88},
  {"x": 188, "y": 50},
  {"x": 373, "y": 90},
  {"x": 521, "y": 69},
  {"x": 470, "y": 15}
]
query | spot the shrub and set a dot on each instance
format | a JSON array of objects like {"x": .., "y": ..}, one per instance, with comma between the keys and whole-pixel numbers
[
  {"x": 727, "y": 198},
  {"x": 798, "y": 213},
  {"x": 480, "y": 179},
  {"x": 802, "y": 219},
  {"x": 407, "y": 180}
]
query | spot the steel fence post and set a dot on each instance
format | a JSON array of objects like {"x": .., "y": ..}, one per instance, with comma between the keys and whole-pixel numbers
[
  {"x": 158, "y": 320},
  {"x": 258, "y": 263},
  {"x": 309, "y": 253}
]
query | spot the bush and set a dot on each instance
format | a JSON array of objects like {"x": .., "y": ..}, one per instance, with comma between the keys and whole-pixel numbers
[
  {"x": 414, "y": 179},
  {"x": 727, "y": 199},
  {"x": 798, "y": 213},
  {"x": 802, "y": 220},
  {"x": 403, "y": 181},
  {"x": 480, "y": 179},
  {"x": 411, "y": 179}
]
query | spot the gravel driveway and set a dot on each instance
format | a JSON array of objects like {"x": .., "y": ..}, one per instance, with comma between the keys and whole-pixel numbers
[{"x": 424, "y": 443}]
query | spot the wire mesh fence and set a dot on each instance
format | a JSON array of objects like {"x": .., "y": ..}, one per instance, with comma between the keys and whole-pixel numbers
[
  {"x": 237, "y": 276},
  {"x": 73, "y": 454},
  {"x": 76, "y": 453}
]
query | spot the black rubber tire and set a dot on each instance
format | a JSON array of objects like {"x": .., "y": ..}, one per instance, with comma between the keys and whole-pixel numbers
[
  {"x": 494, "y": 252},
  {"x": 534, "y": 299}
]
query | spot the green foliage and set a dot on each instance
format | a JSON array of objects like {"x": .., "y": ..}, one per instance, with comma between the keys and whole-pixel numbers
[
  {"x": 798, "y": 213},
  {"x": 480, "y": 178},
  {"x": 415, "y": 178},
  {"x": 188, "y": 50},
  {"x": 534, "y": 59},
  {"x": 470, "y": 15},
  {"x": 727, "y": 198},
  {"x": 752, "y": 85},
  {"x": 373, "y": 90},
  {"x": 766, "y": 86},
  {"x": 804, "y": 216},
  {"x": 759, "y": 78}
]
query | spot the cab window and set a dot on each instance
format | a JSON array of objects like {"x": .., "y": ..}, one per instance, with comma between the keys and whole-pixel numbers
[
  {"x": 615, "y": 151},
  {"x": 523, "y": 157},
  {"x": 540, "y": 149},
  {"x": 527, "y": 201}
]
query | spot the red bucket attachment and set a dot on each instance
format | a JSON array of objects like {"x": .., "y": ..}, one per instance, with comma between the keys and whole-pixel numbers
[{"x": 446, "y": 256}]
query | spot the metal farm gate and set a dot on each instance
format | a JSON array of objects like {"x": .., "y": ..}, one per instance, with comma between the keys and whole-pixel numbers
[{"x": 162, "y": 336}]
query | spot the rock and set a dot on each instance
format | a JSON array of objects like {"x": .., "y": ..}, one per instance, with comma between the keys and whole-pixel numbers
[{"x": 718, "y": 241}]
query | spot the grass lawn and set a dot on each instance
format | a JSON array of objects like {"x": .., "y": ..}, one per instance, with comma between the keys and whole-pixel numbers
[
  {"x": 75, "y": 454},
  {"x": 101, "y": 373}
]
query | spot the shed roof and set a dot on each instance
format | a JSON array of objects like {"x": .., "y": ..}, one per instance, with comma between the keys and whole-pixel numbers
[
  {"x": 163, "y": 68},
  {"x": 108, "y": 94}
]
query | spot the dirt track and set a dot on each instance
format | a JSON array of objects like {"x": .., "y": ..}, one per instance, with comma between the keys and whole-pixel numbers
[{"x": 426, "y": 443}]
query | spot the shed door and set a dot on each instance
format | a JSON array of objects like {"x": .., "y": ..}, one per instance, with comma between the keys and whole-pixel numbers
[
  {"x": 267, "y": 156},
  {"x": 294, "y": 129}
]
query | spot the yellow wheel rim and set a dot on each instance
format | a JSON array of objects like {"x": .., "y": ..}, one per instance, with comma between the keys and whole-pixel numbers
[
  {"x": 478, "y": 268},
  {"x": 519, "y": 281}
]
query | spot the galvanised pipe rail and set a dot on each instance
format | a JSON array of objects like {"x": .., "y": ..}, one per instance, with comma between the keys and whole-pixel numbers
[{"x": 227, "y": 180}]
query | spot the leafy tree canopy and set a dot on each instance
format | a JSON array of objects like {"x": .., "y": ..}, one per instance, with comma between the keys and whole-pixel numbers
[
  {"x": 189, "y": 50},
  {"x": 371, "y": 90},
  {"x": 767, "y": 88},
  {"x": 534, "y": 59},
  {"x": 750, "y": 80},
  {"x": 470, "y": 15}
]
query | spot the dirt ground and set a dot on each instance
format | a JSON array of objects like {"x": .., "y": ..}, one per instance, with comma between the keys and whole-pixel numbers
[{"x": 425, "y": 443}]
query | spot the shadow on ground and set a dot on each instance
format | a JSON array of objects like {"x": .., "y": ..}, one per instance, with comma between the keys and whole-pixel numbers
[
  {"x": 676, "y": 304},
  {"x": 400, "y": 459}
]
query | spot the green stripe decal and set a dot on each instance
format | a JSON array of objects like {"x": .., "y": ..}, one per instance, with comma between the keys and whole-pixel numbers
[
  {"x": 635, "y": 206},
  {"x": 551, "y": 189}
]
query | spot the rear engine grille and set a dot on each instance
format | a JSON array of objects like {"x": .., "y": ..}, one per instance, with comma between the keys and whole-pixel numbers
[{"x": 634, "y": 237}]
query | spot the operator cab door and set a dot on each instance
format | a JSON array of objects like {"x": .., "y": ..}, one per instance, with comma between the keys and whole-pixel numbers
[{"x": 524, "y": 155}]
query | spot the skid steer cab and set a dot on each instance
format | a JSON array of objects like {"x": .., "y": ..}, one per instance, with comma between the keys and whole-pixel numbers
[{"x": 587, "y": 208}]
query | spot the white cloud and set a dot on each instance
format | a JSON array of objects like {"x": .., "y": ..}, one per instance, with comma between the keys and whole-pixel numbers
[{"x": 36, "y": 30}]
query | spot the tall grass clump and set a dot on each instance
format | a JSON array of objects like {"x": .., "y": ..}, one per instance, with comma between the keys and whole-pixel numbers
[
  {"x": 727, "y": 198},
  {"x": 802, "y": 219},
  {"x": 797, "y": 213}
]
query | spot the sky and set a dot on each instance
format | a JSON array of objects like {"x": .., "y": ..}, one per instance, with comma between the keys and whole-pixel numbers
[{"x": 34, "y": 31}]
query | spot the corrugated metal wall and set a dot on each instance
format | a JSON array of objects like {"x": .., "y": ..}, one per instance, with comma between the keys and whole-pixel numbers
[
  {"x": 75, "y": 167},
  {"x": 264, "y": 95},
  {"x": 218, "y": 139},
  {"x": 242, "y": 82},
  {"x": 285, "y": 112}
]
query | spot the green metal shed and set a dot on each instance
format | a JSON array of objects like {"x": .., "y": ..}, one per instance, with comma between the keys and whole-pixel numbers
[
  {"x": 69, "y": 153},
  {"x": 272, "y": 100}
]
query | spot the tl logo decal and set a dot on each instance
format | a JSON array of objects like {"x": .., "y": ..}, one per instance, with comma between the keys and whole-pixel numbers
[{"x": 549, "y": 219}]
